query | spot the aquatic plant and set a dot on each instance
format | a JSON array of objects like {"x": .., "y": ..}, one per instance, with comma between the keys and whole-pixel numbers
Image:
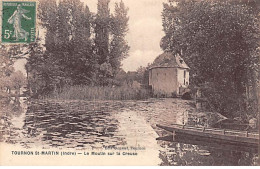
[{"x": 99, "y": 93}]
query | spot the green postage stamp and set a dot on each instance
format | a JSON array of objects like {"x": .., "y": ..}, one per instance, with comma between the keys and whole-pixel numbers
[{"x": 18, "y": 21}]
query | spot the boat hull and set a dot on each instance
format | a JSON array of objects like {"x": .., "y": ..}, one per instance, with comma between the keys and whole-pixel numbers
[{"x": 192, "y": 136}]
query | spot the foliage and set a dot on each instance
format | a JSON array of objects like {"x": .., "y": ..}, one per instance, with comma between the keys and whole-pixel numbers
[
  {"x": 77, "y": 46},
  {"x": 219, "y": 41},
  {"x": 143, "y": 76},
  {"x": 17, "y": 80},
  {"x": 11, "y": 81},
  {"x": 110, "y": 44},
  {"x": 43, "y": 76},
  {"x": 6, "y": 64},
  {"x": 119, "y": 27},
  {"x": 102, "y": 24}
]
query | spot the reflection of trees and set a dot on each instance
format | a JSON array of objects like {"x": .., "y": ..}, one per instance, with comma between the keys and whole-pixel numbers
[
  {"x": 190, "y": 155},
  {"x": 186, "y": 154},
  {"x": 11, "y": 83},
  {"x": 7, "y": 111},
  {"x": 227, "y": 157}
]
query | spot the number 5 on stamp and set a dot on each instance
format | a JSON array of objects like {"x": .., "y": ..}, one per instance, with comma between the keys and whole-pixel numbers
[{"x": 18, "y": 21}]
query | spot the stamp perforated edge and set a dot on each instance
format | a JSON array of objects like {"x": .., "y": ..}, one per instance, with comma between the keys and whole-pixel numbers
[{"x": 36, "y": 21}]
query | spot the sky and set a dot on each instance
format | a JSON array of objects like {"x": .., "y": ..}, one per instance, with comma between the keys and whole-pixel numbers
[{"x": 145, "y": 31}]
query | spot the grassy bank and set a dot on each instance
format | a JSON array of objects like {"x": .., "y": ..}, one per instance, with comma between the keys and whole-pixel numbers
[{"x": 100, "y": 93}]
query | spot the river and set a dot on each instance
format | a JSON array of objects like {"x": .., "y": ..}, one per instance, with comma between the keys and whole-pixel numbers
[{"x": 88, "y": 125}]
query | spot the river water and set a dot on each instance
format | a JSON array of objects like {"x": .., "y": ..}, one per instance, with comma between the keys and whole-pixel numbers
[{"x": 85, "y": 125}]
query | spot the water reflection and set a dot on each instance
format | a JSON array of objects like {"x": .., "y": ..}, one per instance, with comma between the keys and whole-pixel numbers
[
  {"x": 189, "y": 151},
  {"x": 11, "y": 119},
  {"x": 187, "y": 154},
  {"x": 62, "y": 125},
  {"x": 86, "y": 125}
]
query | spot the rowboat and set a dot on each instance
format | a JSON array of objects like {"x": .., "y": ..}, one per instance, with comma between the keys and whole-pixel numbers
[{"x": 214, "y": 136}]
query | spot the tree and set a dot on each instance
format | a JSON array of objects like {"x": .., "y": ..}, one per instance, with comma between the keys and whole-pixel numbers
[
  {"x": 101, "y": 41},
  {"x": 9, "y": 78},
  {"x": 110, "y": 44},
  {"x": 119, "y": 28},
  {"x": 6, "y": 64},
  {"x": 48, "y": 11},
  {"x": 102, "y": 24},
  {"x": 75, "y": 19},
  {"x": 17, "y": 80},
  {"x": 219, "y": 41},
  {"x": 68, "y": 56},
  {"x": 43, "y": 74},
  {"x": 6, "y": 69},
  {"x": 77, "y": 46}
]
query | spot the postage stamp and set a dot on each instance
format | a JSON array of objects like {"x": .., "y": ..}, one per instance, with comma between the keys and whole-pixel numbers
[{"x": 18, "y": 22}]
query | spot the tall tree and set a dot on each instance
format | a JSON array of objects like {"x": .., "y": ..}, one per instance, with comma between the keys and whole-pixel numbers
[
  {"x": 119, "y": 27},
  {"x": 6, "y": 64},
  {"x": 76, "y": 44},
  {"x": 48, "y": 10},
  {"x": 77, "y": 48},
  {"x": 102, "y": 24},
  {"x": 67, "y": 40},
  {"x": 219, "y": 41}
]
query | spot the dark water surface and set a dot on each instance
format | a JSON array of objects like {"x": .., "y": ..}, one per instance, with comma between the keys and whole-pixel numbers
[
  {"x": 72, "y": 125},
  {"x": 85, "y": 125}
]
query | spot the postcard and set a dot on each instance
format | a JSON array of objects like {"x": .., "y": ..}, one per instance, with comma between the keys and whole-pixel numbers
[{"x": 129, "y": 82}]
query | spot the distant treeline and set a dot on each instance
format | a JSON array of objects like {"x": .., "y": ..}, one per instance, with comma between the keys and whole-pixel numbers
[{"x": 80, "y": 47}]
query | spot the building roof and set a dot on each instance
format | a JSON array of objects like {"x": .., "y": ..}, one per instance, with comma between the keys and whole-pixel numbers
[{"x": 167, "y": 59}]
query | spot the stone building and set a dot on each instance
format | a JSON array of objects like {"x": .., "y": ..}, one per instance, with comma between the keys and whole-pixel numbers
[{"x": 168, "y": 75}]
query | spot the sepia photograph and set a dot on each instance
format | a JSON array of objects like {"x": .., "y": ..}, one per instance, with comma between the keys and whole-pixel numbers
[{"x": 129, "y": 82}]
